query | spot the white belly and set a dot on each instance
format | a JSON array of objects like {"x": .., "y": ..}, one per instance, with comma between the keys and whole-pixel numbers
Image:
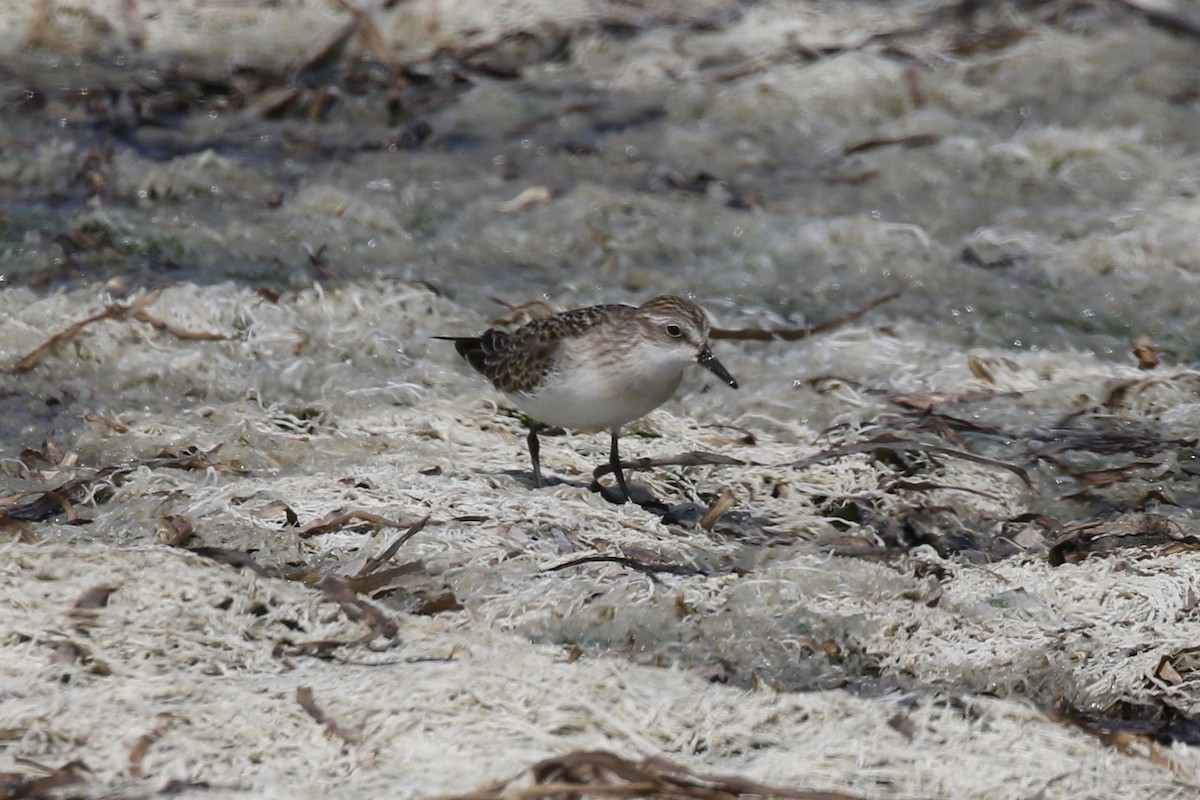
[{"x": 603, "y": 395}]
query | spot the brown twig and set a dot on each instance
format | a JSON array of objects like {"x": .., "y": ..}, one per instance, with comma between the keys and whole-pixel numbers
[
  {"x": 1122, "y": 736},
  {"x": 361, "y": 22},
  {"x": 795, "y": 334},
  {"x": 336, "y": 520},
  {"x": 888, "y": 442},
  {"x": 55, "y": 778},
  {"x": 382, "y": 626},
  {"x": 49, "y": 503},
  {"x": 910, "y": 141},
  {"x": 179, "y": 333},
  {"x": 694, "y": 458},
  {"x": 929, "y": 486},
  {"x": 142, "y": 745},
  {"x": 374, "y": 562},
  {"x": 350, "y": 735},
  {"x": 721, "y": 507},
  {"x": 600, "y": 774},
  {"x": 107, "y": 422},
  {"x": 648, "y": 568},
  {"x": 238, "y": 559},
  {"x": 135, "y": 310}
]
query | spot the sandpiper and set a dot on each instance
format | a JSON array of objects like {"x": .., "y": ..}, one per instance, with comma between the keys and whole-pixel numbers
[{"x": 594, "y": 368}]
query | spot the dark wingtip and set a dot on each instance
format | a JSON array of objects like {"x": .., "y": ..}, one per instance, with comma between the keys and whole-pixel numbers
[
  {"x": 467, "y": 346},
  {"x": 463, "y": 344},
  {"x": 476, "y": 349}
]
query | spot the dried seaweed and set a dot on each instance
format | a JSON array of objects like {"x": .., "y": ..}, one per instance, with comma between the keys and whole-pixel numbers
[
  {"x": 927, "y": 401},
  {"x": 1102, "y": 537},
  {"x": 15, "y": 785},
  {"x": 443, "y": 601},
  {"x": 693, "y": 458},
  {"x": 887, "y": 445},
  {"x": 111, "y": 424},
  {"x": 719, "y": 508},
  {"x": 340, "y": 519},
  {"x": 599, "y": 774},
  {"x": 95, "y": 488},
  {"x": 1129, "y": 738},
  {"x": 747, "y": 436},
  {"x": 647, "y": 568},
  {"x": 1072, "y": 448},
  {"x": 48, "y": 503},
  {"x": 1145, "y": 352},
  {"x": 142, "y": 745},
  {"x": 328, "y": 44},
  {"x": 796, "y": 334},
  {"x": 1079, "y": 453},
  {"x": 908, "y": 142},
  {"x": 273, "y": 511},
  {"x": 115, "y": 311},
  {"x": 1086, "y": 445},
  {"x": 990, "y": 39},
  {"x": 95, "y": 597},
  {"x": 1110, "y": 475},
  {"x": 374, "y": 562},
  {"x": 366, "y": 576},
  {"x": 304, "y": 696},
  {"x": 532, "y": 196},
  {"x": 381, "y": 626},
  {"x": 238, "y": 559},
  {"x": 1081, "y": 447},
  {"x": 175, "y": 529},
  {"x": 384, "y": 581},
  {"x": 940, "y": 527},
  {"x": 191, "y": 459},
  {"x": 1127, "y": 440}
]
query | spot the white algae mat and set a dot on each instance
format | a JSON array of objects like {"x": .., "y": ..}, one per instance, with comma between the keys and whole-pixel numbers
[
  {"x": 186, "y": 670},
  {"x": 203, "y": 590}
]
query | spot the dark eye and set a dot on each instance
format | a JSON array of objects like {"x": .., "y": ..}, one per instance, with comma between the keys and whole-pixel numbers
[{"x": 674, "y": 331}]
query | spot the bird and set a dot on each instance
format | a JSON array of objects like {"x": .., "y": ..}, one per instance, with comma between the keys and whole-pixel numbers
[{"x": 594, "y": 368}]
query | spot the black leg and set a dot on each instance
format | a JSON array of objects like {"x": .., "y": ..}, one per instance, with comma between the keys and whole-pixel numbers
[
  {"x": 614, "y": 458},
  {"x": 534, "y": 452}
]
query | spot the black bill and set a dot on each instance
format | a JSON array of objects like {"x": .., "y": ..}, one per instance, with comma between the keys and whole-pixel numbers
[{"x": 707, "y": 360}]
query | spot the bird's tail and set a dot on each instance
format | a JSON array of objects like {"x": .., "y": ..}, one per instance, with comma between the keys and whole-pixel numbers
[{"x": 476, "y": 349}]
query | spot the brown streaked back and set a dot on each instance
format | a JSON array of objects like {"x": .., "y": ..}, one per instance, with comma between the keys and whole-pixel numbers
[{"x": 519, "y": 361}]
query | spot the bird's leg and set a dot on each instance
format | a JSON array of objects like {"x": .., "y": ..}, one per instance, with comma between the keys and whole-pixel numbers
[
  {"x": 614, "y": 459},
  {"x": 534, "y": 452}
]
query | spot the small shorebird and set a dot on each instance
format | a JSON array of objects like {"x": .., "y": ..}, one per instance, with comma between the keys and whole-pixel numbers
[{"x": 594, "y": 368}]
